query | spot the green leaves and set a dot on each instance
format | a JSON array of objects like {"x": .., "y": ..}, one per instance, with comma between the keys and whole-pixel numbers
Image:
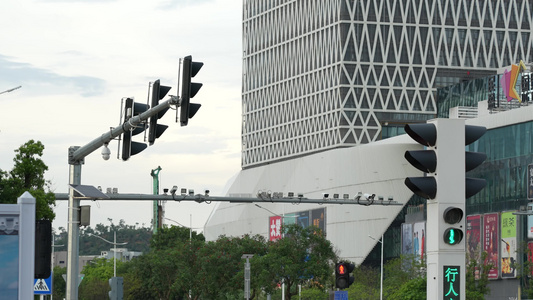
[{"x": 28, "y": 175}]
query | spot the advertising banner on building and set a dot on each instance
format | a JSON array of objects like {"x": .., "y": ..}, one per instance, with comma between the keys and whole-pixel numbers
[
  {"x": 319, "y": 218},
  {"x": 529, "y": 222},
  {"x": 508, "y": 245},
  {"x": 407, "y": 238},
  {"x": 274, "y": 228},
  {"x": 315, "y": 217},
  {"x": 419, "y": 239},
  {"x": 530, "y": 182},
  {"x": 473, "y": 238},
  {"x": 491, "y": 242}
]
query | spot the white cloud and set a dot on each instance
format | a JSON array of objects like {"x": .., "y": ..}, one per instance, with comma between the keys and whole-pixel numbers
[{"x": 75, "y": 60}]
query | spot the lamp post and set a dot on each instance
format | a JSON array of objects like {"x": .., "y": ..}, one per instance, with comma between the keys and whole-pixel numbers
[
  {"x": 381, "y": 279},
  {"x": 114, "y": 251},
  {"x": 10, "y": 90}
]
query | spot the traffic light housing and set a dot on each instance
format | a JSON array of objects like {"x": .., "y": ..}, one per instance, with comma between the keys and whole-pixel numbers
[
  {"x": 343, "y": 277},
  {"x": 445, "y": 183},
  {"x": 117, "y": 288},
  {"x": 156, "y": 130},
  {"x": 189, "y": 89},
  {"x": 473, "y": 160},
  {"x": 453, "y": 216},
  {"x": 130, "y": 147},
  {"x": 423, "y": 160},
  {"x": 43, "y": 248}
]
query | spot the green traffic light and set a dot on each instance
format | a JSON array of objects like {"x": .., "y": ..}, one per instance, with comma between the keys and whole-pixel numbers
[{"x": 453, "y": 236}]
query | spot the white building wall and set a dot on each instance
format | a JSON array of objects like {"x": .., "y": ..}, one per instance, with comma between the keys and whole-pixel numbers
[{"x": 377, "y": 168}]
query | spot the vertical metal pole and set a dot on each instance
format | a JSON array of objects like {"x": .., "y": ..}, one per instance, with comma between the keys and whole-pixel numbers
[
  {"x": 73, "y": 234},
  {"x": 381, "y": 282},
  {"x": 115, "y": 255},
  {"x": 155, "y": 189}
]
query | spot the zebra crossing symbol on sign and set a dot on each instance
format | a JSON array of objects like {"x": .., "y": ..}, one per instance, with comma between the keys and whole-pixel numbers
[{"x": 43, "y": 286}]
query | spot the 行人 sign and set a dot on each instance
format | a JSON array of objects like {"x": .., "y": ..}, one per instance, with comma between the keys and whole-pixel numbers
[{"x": 452, "y": 282}]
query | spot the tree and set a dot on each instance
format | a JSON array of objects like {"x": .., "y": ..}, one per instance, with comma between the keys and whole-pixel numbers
[
  {"x": 169, "y": 270},
  {"x": 59, "y": 285},
  {"x": 221, "y": 266},
  {"x": 366, "y": 283},
  {"x": 414, "y": 289},
  {"x": 406, "y": 270},
  {"x": 167, "y": 237},
  {"x": 303, "y": 256},
  {"x": 28, "y": 175},
  {"x": 477, "y": 277}
]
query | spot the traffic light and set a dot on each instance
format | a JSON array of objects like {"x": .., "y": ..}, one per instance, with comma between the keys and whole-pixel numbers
[
  {"x": 424, "y": 160},
  {"x": 43, "y": 248},
  {"x": 473, "y": 160},
  {"x": 117, "y": 286},
  {"x": 189, "y": 89},
  {"x": 445, "y": 163},
  {"x": 130, "y": 147},
  {"x": 343, "y": 279},
  {"x": 453, "y": 216},
  {"x": 156, "y": 130}
]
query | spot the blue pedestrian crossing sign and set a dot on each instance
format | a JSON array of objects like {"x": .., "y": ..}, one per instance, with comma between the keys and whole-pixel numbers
[
  {"x": 43, "y": 286},
  {"x": 341, "y": 295}
]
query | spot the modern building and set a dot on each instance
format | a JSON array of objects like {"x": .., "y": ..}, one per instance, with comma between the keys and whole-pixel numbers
[
  {"x": 321, "y": 75},
  {"x": 327, "y": 89}
]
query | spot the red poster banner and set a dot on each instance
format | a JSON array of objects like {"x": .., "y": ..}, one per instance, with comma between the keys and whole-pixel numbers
[
  {"x": 275, "y": 228},
  {"x": 491, "y": 241},
  {"x": 473, "y": 237}
]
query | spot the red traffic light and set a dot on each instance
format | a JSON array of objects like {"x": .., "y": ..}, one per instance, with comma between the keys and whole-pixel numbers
[
  {"x": 341, "y": 269},
  {"x": 342, "y": 275}
]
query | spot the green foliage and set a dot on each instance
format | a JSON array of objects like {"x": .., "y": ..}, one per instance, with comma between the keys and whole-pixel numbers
[
  {"x": 477, "y": 278},
  {"x": 28, "y": 175},
  {"x": 303, "y": 257},
  {"x": 94, "y": 290},
  {"x": 95, "y": 283},
  {"x": 167, "y": 237},
  {"x": 316, "y": 294},
  {"x": 138, "y": 238},
  {"x": 177, "y": 266},
  {"x": 414, "y": 289},
  {"x": 221, "y": 266},
  {"x": 400, "y": 271},
  {"x": 366, "y": 283},
  {"x": 59, "y": 285}
]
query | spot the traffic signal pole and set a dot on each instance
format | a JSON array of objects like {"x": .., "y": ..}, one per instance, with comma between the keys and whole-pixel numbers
[
  {"x": 450, "y": 180},
  {"x": 76, "y": 157},
  {"x": 446, "y": 186}
]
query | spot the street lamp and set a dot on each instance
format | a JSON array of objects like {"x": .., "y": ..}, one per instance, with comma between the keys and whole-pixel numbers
[
  {"x": 10, "y": 90},
  {"x": 381, "y": 279},
  {"x": 114, "y": 251}
]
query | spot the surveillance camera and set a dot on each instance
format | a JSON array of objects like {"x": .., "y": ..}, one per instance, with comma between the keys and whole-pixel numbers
[
  {"x": 173, "y": 190},
  {"x": 369, "y": 196},
  {"x": 165, "y": 191},
  {"x": 106, "y": 153},
  {"x": 325, "y": 195}
]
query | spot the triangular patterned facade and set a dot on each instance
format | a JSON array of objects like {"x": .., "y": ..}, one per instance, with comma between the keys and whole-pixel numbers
[{"x": 322, "y": 74}]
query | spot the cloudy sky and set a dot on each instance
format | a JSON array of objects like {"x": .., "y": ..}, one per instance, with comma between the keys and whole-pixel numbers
[{"x": 76, "y": 59}]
